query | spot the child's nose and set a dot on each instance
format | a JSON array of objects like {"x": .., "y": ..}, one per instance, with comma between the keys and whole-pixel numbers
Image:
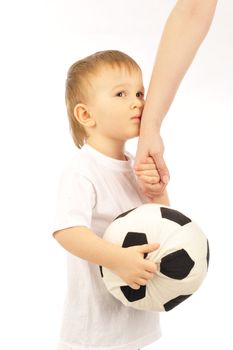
[{"x": 138, "y": 102}]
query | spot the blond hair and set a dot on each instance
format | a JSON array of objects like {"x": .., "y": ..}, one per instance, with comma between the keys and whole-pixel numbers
[{"x": 79, "y": 78}]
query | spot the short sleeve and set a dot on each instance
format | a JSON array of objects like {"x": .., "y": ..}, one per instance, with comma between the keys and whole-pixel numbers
[{"x": 75, "y": 201}]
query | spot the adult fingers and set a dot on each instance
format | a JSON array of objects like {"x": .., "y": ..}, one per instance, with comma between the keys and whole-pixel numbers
[{"x": 161, "y": 167}]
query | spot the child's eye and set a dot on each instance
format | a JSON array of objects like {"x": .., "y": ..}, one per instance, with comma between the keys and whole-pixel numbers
[
  {"x": 120, "y": 94},
  {"x": 140, "y": 94}
]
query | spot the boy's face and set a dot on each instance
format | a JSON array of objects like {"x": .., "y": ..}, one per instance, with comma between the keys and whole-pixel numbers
[{"x": 117, "y": 102}]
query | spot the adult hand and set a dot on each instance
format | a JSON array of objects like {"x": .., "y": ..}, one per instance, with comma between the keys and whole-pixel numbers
[
  {"x": 184, "y": 31},
  {"x": 148, "y": 178},
  {"x": 151, "y": 145}
]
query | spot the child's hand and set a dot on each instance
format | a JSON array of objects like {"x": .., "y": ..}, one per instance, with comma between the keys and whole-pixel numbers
[
  {"x": 149, "y": 180},
  {"x": 133, "y": 268}
]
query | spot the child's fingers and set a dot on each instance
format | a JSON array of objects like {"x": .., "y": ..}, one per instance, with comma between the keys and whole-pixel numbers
[
  {"x": 152, "y": 190},
  {"x": 148, "y": 248},
  {"x": 150, "y": 160},
  {"x": 150, "y": 179},
  {"x": 134, "y": 285},
  {"x": 153, "y": 173},
  {"x": 145, "y": 166}
]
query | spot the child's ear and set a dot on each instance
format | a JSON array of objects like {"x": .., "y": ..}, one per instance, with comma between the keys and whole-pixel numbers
[{"x": 83, "y": 116}]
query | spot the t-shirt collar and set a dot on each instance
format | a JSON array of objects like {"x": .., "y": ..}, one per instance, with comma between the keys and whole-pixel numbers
[{"x": 109, "y": 161}]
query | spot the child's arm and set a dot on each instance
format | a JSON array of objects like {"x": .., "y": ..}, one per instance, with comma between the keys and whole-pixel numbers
[
  {"x": 128, "y": 263},
  {"x": 160, "y": 199}
]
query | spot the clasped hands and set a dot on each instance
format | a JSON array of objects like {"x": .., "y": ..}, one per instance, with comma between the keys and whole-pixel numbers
[{"x": 149, "y": 180}]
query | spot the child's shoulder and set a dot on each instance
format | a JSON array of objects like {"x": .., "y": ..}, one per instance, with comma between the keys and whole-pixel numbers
[{"x": 77, "y": 164}]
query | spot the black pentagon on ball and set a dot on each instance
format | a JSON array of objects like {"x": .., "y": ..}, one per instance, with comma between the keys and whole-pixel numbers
[
  {"x": 133, "y": 294},
  {"x": 174, "y": 302},
  {"x": 101, "y": 271},
  {"x": 176, "y": 265},
  {"x": 208, "y": 254},
  {"x": 132, "y": 239},
  {"x": 135, "y": 238},
  {"x": 174, "y": 215},
  {"x": 124, "y": 214}
]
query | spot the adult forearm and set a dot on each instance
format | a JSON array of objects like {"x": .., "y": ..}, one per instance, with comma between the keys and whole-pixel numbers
[
  {"x": 84, "y": 243},
  {"x": 184, "y": 31}
]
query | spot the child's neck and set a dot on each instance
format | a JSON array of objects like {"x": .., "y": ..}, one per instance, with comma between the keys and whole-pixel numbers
[{"x": 109, "y": 148}]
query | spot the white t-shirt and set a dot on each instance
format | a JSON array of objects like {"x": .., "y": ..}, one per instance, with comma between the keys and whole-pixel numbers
[{"x": 94, "y": 190}]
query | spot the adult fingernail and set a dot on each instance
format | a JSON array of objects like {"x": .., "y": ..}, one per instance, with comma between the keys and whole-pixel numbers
[{"x": 165, "y": 179}]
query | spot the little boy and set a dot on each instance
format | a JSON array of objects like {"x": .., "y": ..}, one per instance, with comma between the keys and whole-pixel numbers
[{"x": 105, "y": 99}]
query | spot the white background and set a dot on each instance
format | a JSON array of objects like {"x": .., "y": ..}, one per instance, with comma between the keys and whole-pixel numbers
[{"x": 39, "y": 41}]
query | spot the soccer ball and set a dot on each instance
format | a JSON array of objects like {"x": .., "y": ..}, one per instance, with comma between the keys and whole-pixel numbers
[{"x": 182, "y": 258}]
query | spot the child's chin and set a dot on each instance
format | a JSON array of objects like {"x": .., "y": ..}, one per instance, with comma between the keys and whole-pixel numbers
[{"x": 132, "y": 136}]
